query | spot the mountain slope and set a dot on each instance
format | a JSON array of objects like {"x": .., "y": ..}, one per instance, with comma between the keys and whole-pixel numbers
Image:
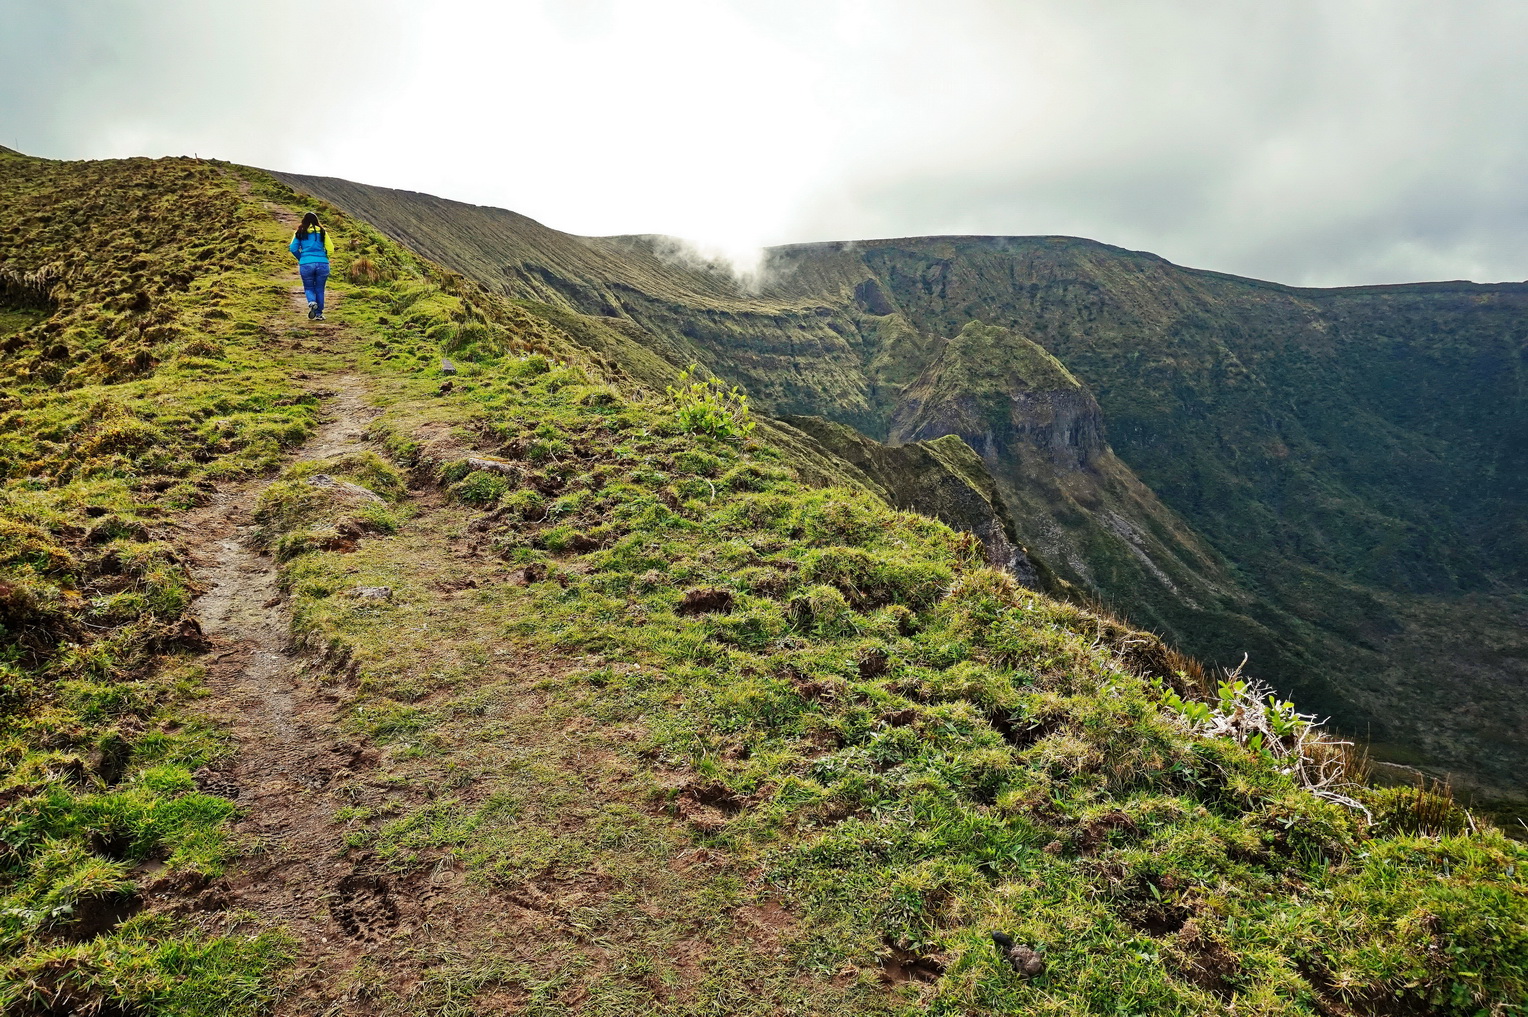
[
  {"x": 595, "y": 702},
  {"x": 1331, "y": 481}
]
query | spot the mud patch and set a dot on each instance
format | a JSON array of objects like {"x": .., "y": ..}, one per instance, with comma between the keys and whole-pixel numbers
[
  {"x": 364, "y": 907},
  {"x": 1158, "y": 919},
  {"x": 705, "y": 601},
  {"x": 1205, "y": 960},
  {"x": 111, "y": 758},
  {"x": 1022, "y": 733},
  {"x": 899, "y": 964},
  {"x": 873, "y": 663},
  {"x": 94, "y": 916},
  {"x": 706, "y": 805},
  {"x": 216, "y": 782}
]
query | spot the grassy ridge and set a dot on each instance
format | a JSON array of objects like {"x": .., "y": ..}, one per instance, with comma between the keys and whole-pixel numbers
[
  {"x": 136, "y": 381},
  {"x": 840, "y": 701},
  {"x": 912, "y": 749},
  {"x": 1347, "y": 457}
]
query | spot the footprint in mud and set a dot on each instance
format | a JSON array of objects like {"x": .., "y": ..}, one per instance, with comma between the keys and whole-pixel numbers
[
  {"x": 364, "y": 907},
  {"x": 214, "y": 782}
]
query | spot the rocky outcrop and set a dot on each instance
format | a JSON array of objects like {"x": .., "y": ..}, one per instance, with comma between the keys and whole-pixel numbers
[
  {"x": 998, "y": 391},
  {"x": 943, "y": 478}
]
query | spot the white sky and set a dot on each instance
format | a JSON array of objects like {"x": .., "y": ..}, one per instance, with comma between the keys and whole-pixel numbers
[{"x": 1308, "y": 141}]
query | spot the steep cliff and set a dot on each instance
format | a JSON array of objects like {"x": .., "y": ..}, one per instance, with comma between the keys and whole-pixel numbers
[{"x": 999, "y": 391}]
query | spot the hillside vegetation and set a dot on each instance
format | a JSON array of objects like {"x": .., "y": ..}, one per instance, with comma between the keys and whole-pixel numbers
[
  {"x": 635, "y": 707},
  {"x": 1328, "y": 480}
]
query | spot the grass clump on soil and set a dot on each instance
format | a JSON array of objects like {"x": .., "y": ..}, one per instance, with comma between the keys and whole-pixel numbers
[{"x": 328, "y": 504}]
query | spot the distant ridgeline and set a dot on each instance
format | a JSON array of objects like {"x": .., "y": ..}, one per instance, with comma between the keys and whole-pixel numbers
[{"x": 1332, "y": 481}]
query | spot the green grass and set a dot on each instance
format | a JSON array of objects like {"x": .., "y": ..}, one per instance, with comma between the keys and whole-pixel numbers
[
  {"x": 719, "y": 740},
  {"x": 910, "y": 749},
  {"x": 149, "y": 383},
  {"x": 1343, "y": 467}
]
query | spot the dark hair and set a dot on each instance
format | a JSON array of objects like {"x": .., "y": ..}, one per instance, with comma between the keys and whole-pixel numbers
[{"x": 310, "y": 222}]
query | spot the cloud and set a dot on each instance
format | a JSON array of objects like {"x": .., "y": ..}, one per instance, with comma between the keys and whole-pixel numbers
[
  {"x": 1310, "y": 141},
  {"x": 157, "y": 77},
  {"x": 1321, "y": 143}
]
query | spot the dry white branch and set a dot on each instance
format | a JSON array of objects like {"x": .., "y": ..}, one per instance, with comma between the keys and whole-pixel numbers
[{"x": 1248, "y": 712}]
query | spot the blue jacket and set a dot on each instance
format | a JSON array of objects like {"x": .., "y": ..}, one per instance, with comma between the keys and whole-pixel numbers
[{"x": 311, "y": 248}]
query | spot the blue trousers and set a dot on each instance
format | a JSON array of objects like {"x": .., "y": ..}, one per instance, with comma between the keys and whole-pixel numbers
[{"x": 314, "y": 275}]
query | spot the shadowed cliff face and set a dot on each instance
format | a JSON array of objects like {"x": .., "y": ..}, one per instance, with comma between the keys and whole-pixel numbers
[
  {"x": 1332, "y": 481},
  {"x": 942, "y": 478},
  {"x": 1066, "y": 425},
  {"x": 998, "y": 390}
]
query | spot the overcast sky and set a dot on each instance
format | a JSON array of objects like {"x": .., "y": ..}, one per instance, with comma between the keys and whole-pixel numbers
[{"x": 1321, "y": 142}]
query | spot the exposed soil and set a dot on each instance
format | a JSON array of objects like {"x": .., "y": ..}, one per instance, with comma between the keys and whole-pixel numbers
[
  {"x": 900, "y": 964},
  {"x": 706, "y": 601},
  {"x": 291, "y": 767},
  {"x": 290, "y": 762},
  {"x": 95, "y": 915}
]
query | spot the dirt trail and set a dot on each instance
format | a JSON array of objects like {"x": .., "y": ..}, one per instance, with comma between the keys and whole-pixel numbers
[
  {"x": 374, "y": 937},
  {"x": 278, "y": 721},
  {"x": 290, "y": 768}
]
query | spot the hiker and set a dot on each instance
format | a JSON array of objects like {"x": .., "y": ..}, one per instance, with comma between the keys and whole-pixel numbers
[{"x": 313, "y": 249}]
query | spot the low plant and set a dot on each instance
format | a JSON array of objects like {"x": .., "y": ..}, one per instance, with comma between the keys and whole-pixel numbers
[
  {"x": 363, "y": 271},
  {"x": 708, "y": 406},
  {"x": 1249, "y": 713}
]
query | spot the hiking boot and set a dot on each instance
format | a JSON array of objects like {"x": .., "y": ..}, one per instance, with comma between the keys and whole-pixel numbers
[
  {"x": 312, "y": 309},
  {"x": 318, "y": 315}
]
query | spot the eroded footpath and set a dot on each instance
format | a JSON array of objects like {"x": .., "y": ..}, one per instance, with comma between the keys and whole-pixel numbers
[{"x": 507, "y": 850}]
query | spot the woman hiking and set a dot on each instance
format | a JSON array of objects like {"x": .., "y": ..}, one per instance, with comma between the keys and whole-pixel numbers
[{"x": 312, "y": 247}]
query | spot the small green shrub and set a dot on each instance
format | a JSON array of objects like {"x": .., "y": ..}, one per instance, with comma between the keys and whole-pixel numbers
[
  {"x": 524, "y": 504},
  {"x": 480, "y": 487},
  {"x": 531, "y": 366},
  {"x": 367, "y": 469},
  {"x": 707, "y": 406},
  {"x": 598, "y": 395},
  {"x": 476, "y": 340}
]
